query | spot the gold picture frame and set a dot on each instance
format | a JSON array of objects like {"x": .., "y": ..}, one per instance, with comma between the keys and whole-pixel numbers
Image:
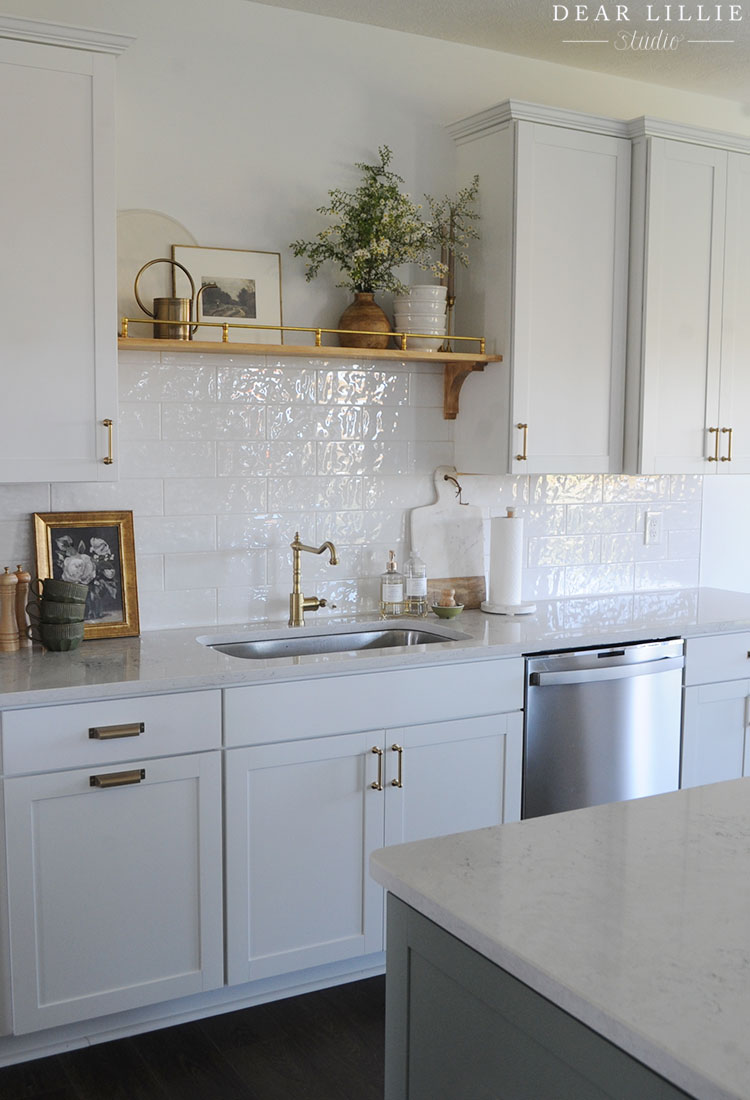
[
  {"x": 97, "y": 548},
  {"x": 240, "y": 286}
]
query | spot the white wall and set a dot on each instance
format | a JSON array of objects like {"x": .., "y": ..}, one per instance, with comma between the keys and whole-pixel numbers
[
  {"x": 236, "y": 119},
  {"x": 725, "y": 542}
]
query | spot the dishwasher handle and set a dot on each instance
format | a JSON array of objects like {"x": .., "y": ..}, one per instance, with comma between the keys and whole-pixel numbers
[{"x": 613, "y": 672}]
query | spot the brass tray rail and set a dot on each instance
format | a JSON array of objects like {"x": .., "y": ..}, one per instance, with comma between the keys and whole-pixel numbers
[{"x": 225, "y": 326}]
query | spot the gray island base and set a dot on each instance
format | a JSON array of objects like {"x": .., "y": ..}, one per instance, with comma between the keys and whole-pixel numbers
[
  {"x": 459, "y": 1027},
  {"x": 603, "y": 952}
]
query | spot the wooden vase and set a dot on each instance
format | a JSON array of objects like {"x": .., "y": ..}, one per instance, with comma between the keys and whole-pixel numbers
[{"x": 364, "y": 314}]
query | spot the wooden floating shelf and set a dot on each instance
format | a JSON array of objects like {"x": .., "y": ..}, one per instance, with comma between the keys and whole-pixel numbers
[{"x": 457, "y": 365}]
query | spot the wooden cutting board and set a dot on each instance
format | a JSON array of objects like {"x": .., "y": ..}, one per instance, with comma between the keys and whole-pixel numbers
[{"x": 449, "y": 537}]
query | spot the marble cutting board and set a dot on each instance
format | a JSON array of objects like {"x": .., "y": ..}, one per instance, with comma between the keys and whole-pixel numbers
[{"x": 449, "y": 537}]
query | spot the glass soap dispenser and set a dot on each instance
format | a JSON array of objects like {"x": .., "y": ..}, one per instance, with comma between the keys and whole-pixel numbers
[
  {"x": 415, "y": 578},
  {"x": 391, "y": 589}
]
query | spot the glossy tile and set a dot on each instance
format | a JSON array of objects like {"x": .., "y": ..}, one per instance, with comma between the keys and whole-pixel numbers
[
  {"x": 497, "y": 493},
  {"x": 361, "y": 527},
  {"x": 142, "y": 496},
  {"x": 161, "y": 534},
  {"x": 424, "y": 457},
  {"x": 564, "y": 550},
  {"x": 363, "y": 458},
  {"x": 565, "y": 488},
  {"x": 543, "y": 583},
  {"x": 175, "y": 381},
  {"x": 150, "y": 572},
  {"x": 631, "y": 547},
  {"x": 595, "y": 580},
  {"x": 165, "y": 610},
  {"x": 269, "y": 385},
  {"x": 362, "y": 387},
  {"x": 299, "y": 493},
  {"x": 548, "y": 519},
  {"x": 681, "y": 516},
  {"x": 406, "y": 491},
  {"x": 262, "y": 529},
  {"x": 686, "y": 486},
  {"x": 181, "y": 421},
  {"x": 139, "y": 420},
  {"x": 265, "y": 459},
  {"x": 222, "y": 569},
  {"x": 622, "y": 487},
  {"x": 205, "y": 496},
  {"x": 666, "y": 574},
  {"x": 600, "y": 518},
  {"x": 167, "y": 458}
]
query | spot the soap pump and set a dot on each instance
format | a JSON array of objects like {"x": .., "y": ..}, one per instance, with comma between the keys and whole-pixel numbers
[{"x": 391, "y": 589}]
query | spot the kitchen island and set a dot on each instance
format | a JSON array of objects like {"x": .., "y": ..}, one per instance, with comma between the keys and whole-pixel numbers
[{"x": 599, "y": 953}]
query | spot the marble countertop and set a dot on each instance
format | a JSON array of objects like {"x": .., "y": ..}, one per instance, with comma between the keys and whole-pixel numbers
[
  {"x": 634, "y": 917},
  {"x": 172, "y": 660}
]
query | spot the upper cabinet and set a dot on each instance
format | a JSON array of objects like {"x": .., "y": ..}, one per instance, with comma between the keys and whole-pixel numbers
[
  {"x": 548, "y": 286},
  {"x": 688, "y": 387},
  {"x": 58, "y": 276}
]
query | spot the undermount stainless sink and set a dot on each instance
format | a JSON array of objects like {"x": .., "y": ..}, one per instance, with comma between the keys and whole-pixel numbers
[{"x": 342, "y": 638}]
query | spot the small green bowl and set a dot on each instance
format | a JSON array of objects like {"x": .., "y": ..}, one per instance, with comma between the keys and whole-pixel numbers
[{"x": 447, "y": 612}]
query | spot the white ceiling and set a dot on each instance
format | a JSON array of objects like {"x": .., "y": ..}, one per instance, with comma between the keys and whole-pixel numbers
[{"x": 527, "y": 27}]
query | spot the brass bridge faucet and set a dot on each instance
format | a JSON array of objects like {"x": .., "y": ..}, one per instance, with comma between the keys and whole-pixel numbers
[{"x": 299, "y": 604}]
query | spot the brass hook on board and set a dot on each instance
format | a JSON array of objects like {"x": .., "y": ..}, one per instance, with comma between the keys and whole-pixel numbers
[{"x": 459, "y": 490}]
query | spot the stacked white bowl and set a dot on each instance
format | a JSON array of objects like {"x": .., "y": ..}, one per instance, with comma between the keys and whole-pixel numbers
[{"x": 421, "y": 310}]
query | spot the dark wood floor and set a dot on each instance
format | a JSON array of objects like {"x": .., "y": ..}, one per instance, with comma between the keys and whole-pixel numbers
[{"x": 326, "y": 1045}]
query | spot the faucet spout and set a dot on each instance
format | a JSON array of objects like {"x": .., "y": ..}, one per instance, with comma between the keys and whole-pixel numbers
[{"x": 299, "y": 604}]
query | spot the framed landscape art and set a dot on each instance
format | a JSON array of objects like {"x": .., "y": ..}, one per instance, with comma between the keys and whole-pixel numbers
[{"x": 247, "y": 291}]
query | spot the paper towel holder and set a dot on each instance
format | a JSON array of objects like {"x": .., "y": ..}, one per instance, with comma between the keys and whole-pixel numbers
[{"x": 525, "y": 608}]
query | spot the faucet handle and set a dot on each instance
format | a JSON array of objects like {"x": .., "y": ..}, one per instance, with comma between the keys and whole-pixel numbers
[{"x": 325, "y": 603}]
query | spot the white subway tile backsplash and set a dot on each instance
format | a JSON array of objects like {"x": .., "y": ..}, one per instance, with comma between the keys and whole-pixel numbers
[{"x": 223, "y": 458}]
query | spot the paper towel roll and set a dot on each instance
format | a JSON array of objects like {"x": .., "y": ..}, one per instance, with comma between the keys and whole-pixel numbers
[{"x": 506, "y": 559}]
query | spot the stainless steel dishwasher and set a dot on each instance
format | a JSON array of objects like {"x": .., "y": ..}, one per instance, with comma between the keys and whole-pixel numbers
[{"x": 601, "y": 725}]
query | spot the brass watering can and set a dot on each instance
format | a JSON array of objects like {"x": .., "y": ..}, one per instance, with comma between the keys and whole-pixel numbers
[{"x": 174, "y": 318}]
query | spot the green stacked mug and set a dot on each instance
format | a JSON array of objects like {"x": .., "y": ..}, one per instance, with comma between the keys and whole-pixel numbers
[{"x": 58, "y": 616}]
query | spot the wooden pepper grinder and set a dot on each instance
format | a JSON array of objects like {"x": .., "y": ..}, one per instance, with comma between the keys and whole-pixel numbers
[
  {"x": 22, "y": 598},
  {"x": 8, "y": 625}
]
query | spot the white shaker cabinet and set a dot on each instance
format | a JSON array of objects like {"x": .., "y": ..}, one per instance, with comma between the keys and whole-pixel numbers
[
  {"x": 547, "y": 286},
  {"x": 57, "y": 278},
  {"x": 303, "y": 816},
  {"x": 115, "y": 867},
  {"x": 688, "y": 389},
  {"x": 716, "y": 715}
]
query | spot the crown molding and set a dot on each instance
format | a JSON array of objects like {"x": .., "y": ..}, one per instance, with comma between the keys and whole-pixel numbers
[{"x": 60, "y": 34}]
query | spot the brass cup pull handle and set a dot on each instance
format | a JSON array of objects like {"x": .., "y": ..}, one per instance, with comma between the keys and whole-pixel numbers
[
  {"x": 525, "y": 429},
  {"x": 399, "y": 780},
  {"x": 117, "y": 779},
  {"x": 715, "y": 456},
  {"x": 106, "y": 733},
  {"x": 728, "y": 456},
  {"x": 378, "y": 784},
  {"x": 110, "y": 455}
]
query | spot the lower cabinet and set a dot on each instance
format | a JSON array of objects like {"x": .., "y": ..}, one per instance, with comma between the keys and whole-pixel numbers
[
  {"x": 716, "y": 712},
  {"x": 114, "y": 887},
  {"x": 303, "y": 816},
  {"x": 715, "y": 741}
]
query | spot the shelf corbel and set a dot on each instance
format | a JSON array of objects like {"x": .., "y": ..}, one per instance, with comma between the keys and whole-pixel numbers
[{"x": 454, "y": 376}]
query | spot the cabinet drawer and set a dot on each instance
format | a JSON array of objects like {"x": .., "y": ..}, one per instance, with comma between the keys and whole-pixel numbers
[
  {"x": 717, "y": 657},
  {"x": 348, "y": 704},
  {"x": 77, "y": 734}
]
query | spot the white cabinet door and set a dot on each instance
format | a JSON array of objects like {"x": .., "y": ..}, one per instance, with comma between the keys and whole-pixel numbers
[
  {"x": 572, "y": 223},
  {"x": 734, "y": 401},
  {"x": 715, "y": 745},
  {"x": 302, "y": 818},
  {"x": 448, "y": 777},
  {"x": 548, "y": 288},
  {"x": 114, "y": 892},
  {"x": 57, "y": 278}
]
